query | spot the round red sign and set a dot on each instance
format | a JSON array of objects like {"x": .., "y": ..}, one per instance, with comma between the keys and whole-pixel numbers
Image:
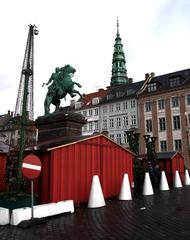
[{"x": 31, "y": 166}]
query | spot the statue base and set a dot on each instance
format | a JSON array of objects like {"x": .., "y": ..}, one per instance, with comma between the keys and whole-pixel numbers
[{"x": 57, "y": 125}]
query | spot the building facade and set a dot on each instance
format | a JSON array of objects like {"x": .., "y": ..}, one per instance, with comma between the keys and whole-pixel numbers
[
  {"x": 10, "y": 129},
  {"x": 164, "y": 112}
]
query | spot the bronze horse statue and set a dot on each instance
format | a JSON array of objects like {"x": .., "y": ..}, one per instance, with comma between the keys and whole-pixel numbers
[{"x": 62, "y": 84}]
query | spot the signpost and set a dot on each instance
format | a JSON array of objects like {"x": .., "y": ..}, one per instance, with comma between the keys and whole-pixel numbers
[{"x": 31, "y": 168}]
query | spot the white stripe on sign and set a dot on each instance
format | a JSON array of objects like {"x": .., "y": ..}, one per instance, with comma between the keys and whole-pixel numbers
[{"x": 31, "y": 166}]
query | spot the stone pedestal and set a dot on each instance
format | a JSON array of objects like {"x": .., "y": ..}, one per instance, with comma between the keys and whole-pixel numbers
[{"x": 62, "y": 124}]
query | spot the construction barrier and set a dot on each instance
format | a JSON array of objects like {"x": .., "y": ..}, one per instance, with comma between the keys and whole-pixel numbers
[
  {"x": 41, "y": 211},
  {"x": 147, "y": 186},
  {"x": 163, "y": 182},
  {"x": 125, "y": 192},
  {"x": 177, "y": 180},
  {"x": 96, "y": 197},
  {"x": 187, "y": 178},
  {"x": 4, "y": 216}
]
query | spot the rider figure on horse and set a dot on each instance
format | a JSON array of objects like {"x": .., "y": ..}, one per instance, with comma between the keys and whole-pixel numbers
[
  {"x": 62, "y": 84},
  {"x": 55, "y": 77}
]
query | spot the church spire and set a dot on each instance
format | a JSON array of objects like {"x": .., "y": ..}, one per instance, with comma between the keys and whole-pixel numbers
[{"x": 119, "y": 72}]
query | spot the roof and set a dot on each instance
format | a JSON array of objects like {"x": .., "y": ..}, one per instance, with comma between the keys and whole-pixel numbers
[
  {"x": 163, "y": 82},
  {"x": 4, "y": 119},
  {"x": 166, "y": 155},
  {"x": 4, "y": 148},
  {"x": 66, "y": 141},
  {"x": 123, "y": 91},
  {"x": 87, "y": 101}
]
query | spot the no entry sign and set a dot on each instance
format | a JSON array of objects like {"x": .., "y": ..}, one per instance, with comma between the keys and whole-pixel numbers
[{"x": 31, "y": 166}]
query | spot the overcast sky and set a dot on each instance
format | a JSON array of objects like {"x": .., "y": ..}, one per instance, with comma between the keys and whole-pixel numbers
[{"x": 155, "y": 35}]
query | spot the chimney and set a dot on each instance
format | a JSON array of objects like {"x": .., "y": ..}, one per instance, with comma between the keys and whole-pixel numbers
[
  {"x": 130, "y": 80},
  {"x": 147, "y": 75},
  {"x": 72, "y": 102},
  {"x": 152, "y": 74}
]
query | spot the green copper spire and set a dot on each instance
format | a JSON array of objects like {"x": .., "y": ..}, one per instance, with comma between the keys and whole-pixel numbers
[{"x": 119, "y": 72}]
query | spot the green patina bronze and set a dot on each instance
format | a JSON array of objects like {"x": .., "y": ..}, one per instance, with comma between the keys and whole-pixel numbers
[{"x": 61, "y": 86}]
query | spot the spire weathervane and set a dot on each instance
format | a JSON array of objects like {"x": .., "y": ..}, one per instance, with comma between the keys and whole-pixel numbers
[{"x": 117, "y": 26}]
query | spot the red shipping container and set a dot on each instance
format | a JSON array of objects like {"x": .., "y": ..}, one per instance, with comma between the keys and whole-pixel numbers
[{"x": 67, "y": 170}]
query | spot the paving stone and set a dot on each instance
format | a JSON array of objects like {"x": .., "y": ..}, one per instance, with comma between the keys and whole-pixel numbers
[{"x": 164, "y": 215}]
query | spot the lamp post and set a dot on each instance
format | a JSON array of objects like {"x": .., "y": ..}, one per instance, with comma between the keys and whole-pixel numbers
[
  {"x": 151, "y": 163},
  {"x": 133, "y": 140}
]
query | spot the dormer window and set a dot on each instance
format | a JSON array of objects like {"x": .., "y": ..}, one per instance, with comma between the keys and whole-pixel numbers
[
  {"x": 109, "y": 96},
  {"x": 175, "y": 81},
  {"x": 152, "y": 87},
  {"x": 95, "y": 100},
  {"x": 119, "y": 94},
  {"x": 78, "y": 105}
]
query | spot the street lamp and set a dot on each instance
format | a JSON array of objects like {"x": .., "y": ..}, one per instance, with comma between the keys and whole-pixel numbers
[
  {"x": 152, "y": 165},
  {"x": 133, "y": 140}
]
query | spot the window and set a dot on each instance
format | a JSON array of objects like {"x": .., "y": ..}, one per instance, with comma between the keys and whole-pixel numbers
[
  {"x": 188, "y": 120},
  {"x": 161, "y": 104},
  {"x": 119, "y": 94},
  {"x": 117, "y": 106},
  {"x": 133, "y": 119},
  {"x": 125, "y": 138},
  {"x": 176, "y": 122},
  {"x": 178, "y": 145},
  {"x": 148, "y": 106},
  {"x": 95, "y": 101},
  {"x": 118, "y": 136},
  {"x": 124, "y": 105},
  {"x": 84, "y": 113},
  {"x": 96, "y": 125},
  {"x": 112, "y": 137},
  {"x": 152, "y": 87},
  {"x": 90, "y": 112},
  {"x": 133, "y": 103},
  {"x": 105, "y": 124},
  {"x": 118, "y": 122},
  {"x": 90, "y": 125},
  {"x": 163, "y": 146},
  {"x": 125, "y": 121},
  {"x": 162, "y": 123},
  {"x": 188, "y": 99},
  {"x": 96, "y": 111},
  {"x": 85, "y": 127},
  {"x": 110, "y": 108},
  {"x": 110, "y": 96},
  {"x": 111, "y": 123},
  {"x": 104, "y": 109},
  {"x": 175, "y": 102},
  {"x": 149, "y": 125},
  {"x": 174, "y": 81}
]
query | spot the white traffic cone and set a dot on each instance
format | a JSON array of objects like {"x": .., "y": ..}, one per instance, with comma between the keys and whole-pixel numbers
[
  {"x": 147, "y": 186},
  {"x": 96, "y": 197},
  {"x": 177, "y": 180},
  {"x": 163, "y": 182},
  {"x": 187, "y": 178},
  {"x": 125, "y": 191}
]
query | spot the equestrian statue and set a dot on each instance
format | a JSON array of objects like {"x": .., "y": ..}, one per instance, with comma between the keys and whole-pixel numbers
[{"x": 61, "y": 85}]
